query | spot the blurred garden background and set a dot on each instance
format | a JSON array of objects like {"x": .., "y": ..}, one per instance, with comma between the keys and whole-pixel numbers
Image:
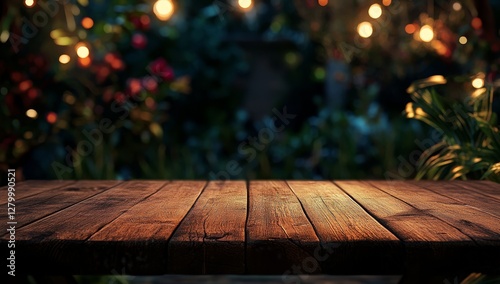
[{"x": 256, "y": 89}]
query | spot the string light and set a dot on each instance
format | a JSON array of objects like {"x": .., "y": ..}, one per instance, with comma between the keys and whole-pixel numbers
[
  {"x": 323, "y": 3},
  {"x": 478, "y": 83},
  {"x": 31, "y": 113},
  {"x": 245, "y": 4},
  {"x": 82, "y": 51},
  {"x": 375, "y": 11},
  {"x": 365, "y": 29},
  {"x": 29, "y": 3},
  {"x": 64, "y": 58},
  {"x": 163, "y": 9},
  {"x": 426, "y": 33},
  {"x": 462, "y": 40}
]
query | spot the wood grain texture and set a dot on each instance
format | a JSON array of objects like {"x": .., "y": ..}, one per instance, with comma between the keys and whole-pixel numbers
[
  {"x": 357, "y": 238},
  {"x": 279, "y": 235},
  {"x": 482, "y": 227},
  {"x": 457, "y": 191},
  {"x": 34, "y": 207},
  {"x": 211, "y": 238},
  {"x": 136, "y": 242},
  {"x": 33, "y": 187},
  {"x": 267, "y": 227},
  {"x": 487, "y": 188},
  {"x": 429, "y": 243},
  {"x": 58, "y": 240}
]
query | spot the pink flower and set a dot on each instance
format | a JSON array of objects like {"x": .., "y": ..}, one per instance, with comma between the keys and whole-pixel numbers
[{"x": 160, "y": 68}]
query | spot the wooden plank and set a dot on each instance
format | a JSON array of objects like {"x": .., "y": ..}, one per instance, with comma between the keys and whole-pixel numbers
[
  {"x": 211, "y": 238},
  {"x": 32, "y": 187},
  {"x": 361, "y": 243},
  {"x": 35, "y": 207},
  {"x": 483, "y": 228},
  {"x": 424, "y": 236},
  {"x": 137, "y": 240},
  {"x": 279, "y": 235},
  {"x": 455, "y": 190},
  {"x": 487, "y": 188},
  {"x": 58, "y": 240}
]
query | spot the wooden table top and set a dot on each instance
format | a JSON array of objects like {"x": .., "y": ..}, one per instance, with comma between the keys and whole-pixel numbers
[{"x": 255, "y": 227}]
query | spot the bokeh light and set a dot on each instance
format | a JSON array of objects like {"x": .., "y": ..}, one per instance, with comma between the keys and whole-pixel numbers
[
  {"x": 410, "y": 29},
  {"x": 457, "y": 6},
  {"x": 87, "y": 23},
  {"x": 64, "y": 58},
  {"x": 375, "y": 11},
  {"x": 29, "y": 3},
  {"x": 245, "y": 4},
  {"x": 426, "y": 33},
  {"x": 51, "y": 117},
  {"x": 163, "y": 9},
  {"x": 462, "y": 40},
  {"x": 82, "y": 50},
  {"x": 323, "y": 3},
  {"x": 31, "y": 113},
  {"x": 365, "y": 29},
  {"x": 478, "y": 83},
  {"x": 386, "y": 2},
  {"x": 477, "y": 23}
]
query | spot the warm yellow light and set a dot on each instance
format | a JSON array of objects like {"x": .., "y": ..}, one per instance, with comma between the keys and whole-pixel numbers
[
  {"x": 375, "y": 11},
  {"x": 323, "y": 3},
  {"x": 31, "y": 113},
  {"x": 245, "y": 4},
  {"x": 29, "y": 3},
  {"x": 82, "y": 51},
  {"x": 386, "y": 2},
  {"x": 64, "y": 41},
  {"x": 462, "y": 40},
  {"x": 478, "y": 83},
  {"x": 365, "y": 29},
  {"x": 426, "y": 33},
  {"x": 163, "y": 9},
  {"x": 457, "y": 6},
  {"x": 4, "y": 36},
  {"x": 64, "y": 58}
]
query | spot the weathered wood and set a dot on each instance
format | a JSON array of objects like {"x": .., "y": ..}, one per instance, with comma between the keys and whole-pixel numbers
[
  {"x": 27, "y": 188},
  {"x": 482, "y": 227},
  {"x": 279, "y": 235},
  {"x": 58, "y": 240},
  {"x": 269, "y": 227},
  {"x": 429, "y": 242},
  {"x": 464, "y": 194},
  {"x": 487, "y": 188},
  {"x": 211, "y": 238},
  {"x": 34, "y": 207},
  {"x": 356, "y": 238},
  {"x": 136, "y": 242}
]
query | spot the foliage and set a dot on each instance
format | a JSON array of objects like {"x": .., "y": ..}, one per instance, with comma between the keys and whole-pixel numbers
[{"x": 470, "y": 144}]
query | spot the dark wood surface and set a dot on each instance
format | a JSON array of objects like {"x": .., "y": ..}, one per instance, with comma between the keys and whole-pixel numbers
[{"x": 256, "y": 227}]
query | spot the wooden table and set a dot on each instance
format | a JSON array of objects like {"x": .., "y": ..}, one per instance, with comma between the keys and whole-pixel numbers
[{"x": 256, "y": 227}]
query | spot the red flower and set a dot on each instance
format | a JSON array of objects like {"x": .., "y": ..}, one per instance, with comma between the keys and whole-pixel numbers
[{"x": 160, "y": 68}]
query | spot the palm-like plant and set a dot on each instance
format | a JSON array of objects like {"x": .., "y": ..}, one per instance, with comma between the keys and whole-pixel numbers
[{"x": 470, "y": 142}]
